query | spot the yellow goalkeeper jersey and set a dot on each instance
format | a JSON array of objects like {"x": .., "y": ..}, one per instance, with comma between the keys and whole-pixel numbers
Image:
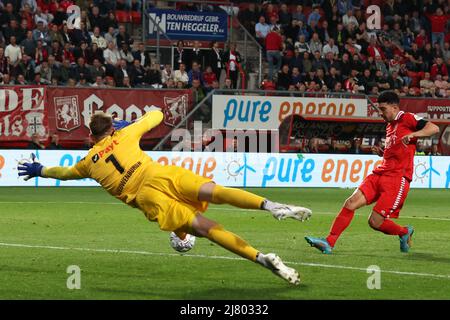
[{"x": 116, "y": 162}]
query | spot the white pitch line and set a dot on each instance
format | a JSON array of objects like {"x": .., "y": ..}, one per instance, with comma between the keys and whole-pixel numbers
[
  {"x": 210, "y": 208},
  {"x": 320, "y": 265}
]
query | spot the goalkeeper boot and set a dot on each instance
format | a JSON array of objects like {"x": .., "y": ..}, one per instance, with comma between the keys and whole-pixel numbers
[
  {"x": 274, "y": 263},
  {"x": 282, "y": 211},
  {"x": 406, "y": 240},
  {"x": 320, "y": 243}
]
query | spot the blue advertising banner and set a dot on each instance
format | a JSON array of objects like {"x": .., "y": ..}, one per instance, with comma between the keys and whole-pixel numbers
[
  {"x": 187, "y": 25},
  {"x": 235, "y": 169}
]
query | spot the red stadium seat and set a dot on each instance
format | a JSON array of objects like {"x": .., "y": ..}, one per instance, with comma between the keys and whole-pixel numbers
[
  {"x": 122, "y": 16},
  {"x": 136, "y": 17}
]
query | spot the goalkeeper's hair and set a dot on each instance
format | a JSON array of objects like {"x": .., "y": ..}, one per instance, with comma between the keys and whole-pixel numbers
[
  {"x": 100, "y": 123},
  {"x": 389, "y": 97}
]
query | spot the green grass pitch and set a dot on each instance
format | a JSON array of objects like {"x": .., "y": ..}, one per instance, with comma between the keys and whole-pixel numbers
[{"x": 123, "y": 256}]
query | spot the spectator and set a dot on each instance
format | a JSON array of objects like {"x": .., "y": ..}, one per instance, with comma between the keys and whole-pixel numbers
[
  {"x": 301, "y": 46},
  {"x": 111, "y": 22},
  {"x": 196, "y": 54},
  {"x": 330, "y": 47},
  {"x": 349, "y": 18},
  {"x": 435, "y": 150},
  {"x": 284, "y": 78},
  {"x": 209, "y": 77},
  {"x": 214, "y": 58},
  {"x": 439, "y": 68},
  {"x": 315, "y": 44},
  {"x": 97, "y": 69},
  {"x": 356, "y": 146},
  {"x": 232, "y": 59},
  {"x": 125, "y": 53},
  {"x": 181, "y": 56},
  {"x": 181, "y": 75},
  {"x": 438, "y": 22},
  {"x": 314, "y": 16},
  {"x": 262, "y": 29},
  {"x": 28, "y": 44},
  {"x": 195, "y": 73},
  {"x": 273, "y": 51},
  {"x": 41, "y": 33},
  {"x": 99, "y": 82},
  {"x": 167, "y": 73},
  {"x": 121, "y": 72},
  {"x": 13, "y": 52},
  {"x": 110, "y": 36},
  {"x": 124, "y": 37},
  {"x": 98, "y": 39},
  {"x": 420, "y": 150},
  {"x": 35, "y": 143},
  {"x": 142, "y": 55},
  {"x": 112, "y": 58},
  {"x": 54, "y": 143},
  {"x": 298, "y": 14}
]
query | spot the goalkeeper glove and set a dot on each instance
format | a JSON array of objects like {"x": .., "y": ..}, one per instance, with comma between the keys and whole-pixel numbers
[
  {"x": 120, "y": 124},
  {"x": 30, "y": 168}
]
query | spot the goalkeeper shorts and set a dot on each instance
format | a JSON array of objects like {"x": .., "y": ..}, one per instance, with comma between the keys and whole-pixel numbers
[{"x": 170, "y": 197}]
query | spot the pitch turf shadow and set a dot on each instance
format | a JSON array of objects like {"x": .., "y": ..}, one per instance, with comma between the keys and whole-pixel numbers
[
  {"x": 427, "y": 257},
  {"x": 269, "y": 293}
]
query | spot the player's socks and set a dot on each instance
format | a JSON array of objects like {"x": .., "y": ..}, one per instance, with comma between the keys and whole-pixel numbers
[
  {"x": 340, "y": 223},
  {"x": 232, "y": 242},
  {"x": 390, "y": 227},
  {"x": 236, "y": 197}
]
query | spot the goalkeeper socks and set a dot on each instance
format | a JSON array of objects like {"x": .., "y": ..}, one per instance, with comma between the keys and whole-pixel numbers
[
  {"x": 340, "y": 223},
  {"x": 390, "y": 227},
  {"x": 232, "y": 242},
  {"x": 236, "y": 197}
]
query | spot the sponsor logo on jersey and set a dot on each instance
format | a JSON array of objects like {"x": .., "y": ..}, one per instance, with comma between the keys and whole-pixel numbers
[{"x": 105, "y": 151}]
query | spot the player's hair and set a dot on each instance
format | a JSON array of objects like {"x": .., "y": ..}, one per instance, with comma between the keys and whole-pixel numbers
[
  {"x": 100, "y": 123},
  {"x": 389, "y": 97}
]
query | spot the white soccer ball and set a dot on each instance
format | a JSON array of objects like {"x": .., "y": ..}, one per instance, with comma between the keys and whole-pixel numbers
[{"x": 182, "y": 245}]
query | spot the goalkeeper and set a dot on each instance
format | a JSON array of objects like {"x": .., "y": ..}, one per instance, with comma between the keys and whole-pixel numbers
[{"x": 172, "y": 196}]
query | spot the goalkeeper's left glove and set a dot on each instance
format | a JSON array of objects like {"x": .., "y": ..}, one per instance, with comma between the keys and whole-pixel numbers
[
  {"x": 30, "y": 168},
  {"x": 120, "y": 124}
]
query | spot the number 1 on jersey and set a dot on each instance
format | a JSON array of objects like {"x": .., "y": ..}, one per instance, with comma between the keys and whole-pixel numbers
[{"x": 115, "y": 163}]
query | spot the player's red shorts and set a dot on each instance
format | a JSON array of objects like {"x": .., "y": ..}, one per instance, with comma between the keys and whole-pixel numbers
[{"x": 388, "y": 191}]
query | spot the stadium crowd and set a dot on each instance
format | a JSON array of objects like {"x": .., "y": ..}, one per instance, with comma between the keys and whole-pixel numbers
[
  {"x": 325, "y": 45},
  {"x": 309, "y": 46}
]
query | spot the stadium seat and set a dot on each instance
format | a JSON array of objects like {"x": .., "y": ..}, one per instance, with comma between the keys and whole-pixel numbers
[
  {"x": 123, "y": 16},
  {"x": 136, "y": 17}
]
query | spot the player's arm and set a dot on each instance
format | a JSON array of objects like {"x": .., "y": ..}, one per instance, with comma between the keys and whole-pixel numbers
[
  {"x": 142, "y": 125},
  {"x": 424, "y": 129},
  {"x": 31, "y": 168},
  {"x": 61, "y": 173}
]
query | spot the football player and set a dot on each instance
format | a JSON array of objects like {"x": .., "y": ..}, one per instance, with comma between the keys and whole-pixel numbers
[
  {"x": 172, "y": 196},
  {"x": 388, "y": 184}
]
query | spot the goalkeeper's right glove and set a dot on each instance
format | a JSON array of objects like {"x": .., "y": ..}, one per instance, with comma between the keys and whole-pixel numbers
[
  {"x": 30, "y": 168},
  {"x": 120, "y": 124}
]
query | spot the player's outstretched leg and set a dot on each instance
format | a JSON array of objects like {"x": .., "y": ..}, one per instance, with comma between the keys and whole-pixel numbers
[
  {"x": 204, "y": 227},
  {"x": 340, "y": 223},
  {"x": 243, "y": 199}
]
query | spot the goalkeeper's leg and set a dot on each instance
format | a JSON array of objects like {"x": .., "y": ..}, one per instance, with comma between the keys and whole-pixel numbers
[
  {"x": 218, "y": 194},
  {"x": 204, "y": 227}
]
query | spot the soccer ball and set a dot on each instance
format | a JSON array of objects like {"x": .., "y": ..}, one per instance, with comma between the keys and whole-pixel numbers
[{"x": 182, "y": 245}]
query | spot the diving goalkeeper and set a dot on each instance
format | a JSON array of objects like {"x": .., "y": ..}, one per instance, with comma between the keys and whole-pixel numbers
[{"x": 172, "y": 196}]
